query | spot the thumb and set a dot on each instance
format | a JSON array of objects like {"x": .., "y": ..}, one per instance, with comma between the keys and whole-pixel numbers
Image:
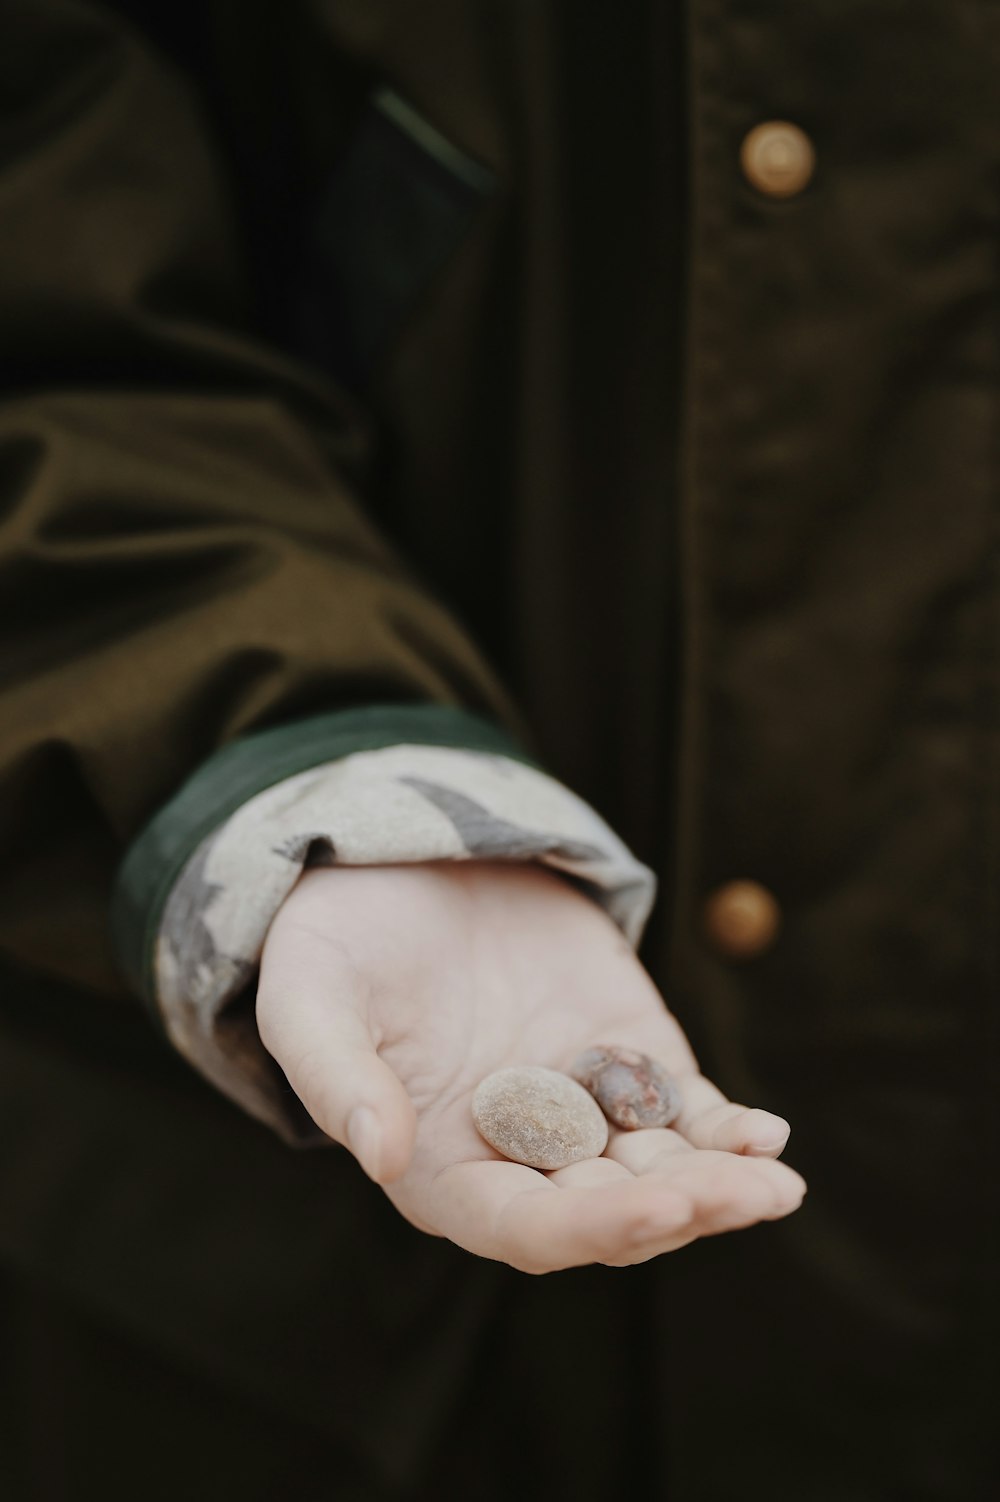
[{"x": 312, "y": 1020}]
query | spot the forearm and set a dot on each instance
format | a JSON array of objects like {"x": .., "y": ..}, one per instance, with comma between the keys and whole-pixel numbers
[{"x": 184, "y": 555}]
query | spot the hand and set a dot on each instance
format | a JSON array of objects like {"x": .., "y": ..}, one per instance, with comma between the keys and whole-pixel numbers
[{"x": 387, "y": 993}]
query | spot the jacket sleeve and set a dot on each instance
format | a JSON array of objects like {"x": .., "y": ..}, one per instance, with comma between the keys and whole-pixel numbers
[
  {"x": 183, "y": 562},
  {"x": 195, "y": 896}
]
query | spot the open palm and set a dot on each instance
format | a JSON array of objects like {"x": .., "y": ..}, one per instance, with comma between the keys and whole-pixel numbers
[{"x": 387, "y": 993}]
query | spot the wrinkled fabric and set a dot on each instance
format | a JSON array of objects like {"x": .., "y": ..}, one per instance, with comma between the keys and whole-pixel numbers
[{"x": 695, "y": 487}]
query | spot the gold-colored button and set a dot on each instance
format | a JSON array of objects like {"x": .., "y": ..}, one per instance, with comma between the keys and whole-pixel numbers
[
  {"x": 742, "y": 919},
  {"x": 778, "y": 158}
]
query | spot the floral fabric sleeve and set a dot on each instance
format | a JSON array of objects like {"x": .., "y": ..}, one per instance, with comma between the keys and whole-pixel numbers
[{"x": 401, "y": 803}]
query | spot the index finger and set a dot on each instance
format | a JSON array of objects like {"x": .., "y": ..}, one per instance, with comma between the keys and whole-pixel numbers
[{"x": 708, "y": 1118}]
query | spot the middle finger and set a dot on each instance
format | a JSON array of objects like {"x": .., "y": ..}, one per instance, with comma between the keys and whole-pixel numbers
[{"x": 646, "y": 1150}]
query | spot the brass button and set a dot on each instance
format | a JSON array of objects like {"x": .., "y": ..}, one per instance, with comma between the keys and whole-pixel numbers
[
  {"x": 778, "y": 158},
  {"x": 742, "y": 919}
]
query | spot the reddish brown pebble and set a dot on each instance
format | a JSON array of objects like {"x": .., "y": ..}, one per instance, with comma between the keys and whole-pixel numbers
[
  {"x": 631, "y": 1089},
  {"x": 538, "y": 1117}
]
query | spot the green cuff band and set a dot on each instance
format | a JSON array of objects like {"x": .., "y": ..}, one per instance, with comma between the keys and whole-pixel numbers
[{"x": 244, "y": 768}]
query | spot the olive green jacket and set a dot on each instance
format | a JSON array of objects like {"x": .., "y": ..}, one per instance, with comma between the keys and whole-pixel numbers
[{"x": 447, "y": 356}]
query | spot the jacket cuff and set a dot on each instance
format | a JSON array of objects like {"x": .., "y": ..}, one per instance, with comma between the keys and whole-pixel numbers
[
  {"x": 237, "y": 773},
  {"x": 401, "y": 803}
]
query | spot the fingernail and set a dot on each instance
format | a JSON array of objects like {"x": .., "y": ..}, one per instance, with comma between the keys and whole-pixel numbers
[
  {"x": 755, "y": 1149},
  {"x": 770, "y": 1138},
  {"x": 364, "y": 1138}
]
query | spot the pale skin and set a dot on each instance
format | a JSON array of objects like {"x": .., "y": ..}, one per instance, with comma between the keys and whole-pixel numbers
[{"x": 387, "y": 993}]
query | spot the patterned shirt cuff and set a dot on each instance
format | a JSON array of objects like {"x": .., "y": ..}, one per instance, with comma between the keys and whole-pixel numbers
[{"x": 404, "y": 803}]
